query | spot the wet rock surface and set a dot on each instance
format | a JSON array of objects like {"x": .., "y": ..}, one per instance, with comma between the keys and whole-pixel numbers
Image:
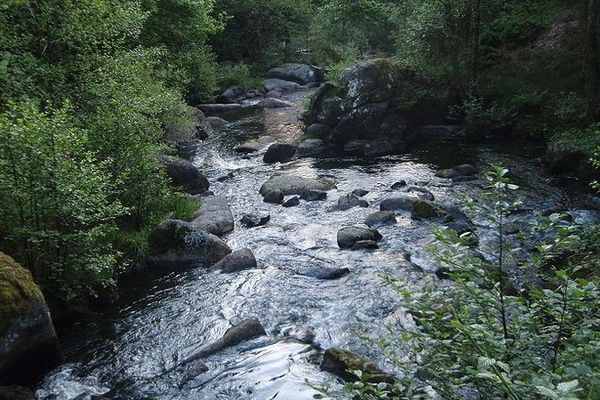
[{"x": 214, "y": 215}]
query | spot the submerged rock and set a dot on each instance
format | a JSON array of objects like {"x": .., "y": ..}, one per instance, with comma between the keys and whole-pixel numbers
[
  {"x": 253, "y": 220},
  {"x": 239, "y": 260},
  {"x": 351, "y": 200},
  {"x": 274, "y": 197},
  {"x": 325, "y": 273},
  {"x": 360, "y": 192},
  {"x": 461, "y": 170},
  {"x": 314, "y": 195},
  {"x": 28, "y": 343},
  {"x": 254, "y": 145},
  {"x": 280, "y": 152},
  {"x": 350, "y": 236},
  {"x": 399, "y": 185},
  {"x": 214, "y": 215},
  {"x": 275, "y": 103},
  {"x": 342, "y": 362},
  {"x": 422, "y": 193},
  {"x": 380, "y": 218},
  {"x": 185, "y": 174},
  {"x": 293, "y": 184},
  {"x": 398, "y": 203},
  {"x": 180, "y": 243},
  {"x": 244, "y": 331},
  {"x": 292, "y": 202}
]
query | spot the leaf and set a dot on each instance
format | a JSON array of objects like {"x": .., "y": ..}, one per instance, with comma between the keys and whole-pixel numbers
[
  {"x": 544, "y": 391},
  {"x": 565, "y": 387}
]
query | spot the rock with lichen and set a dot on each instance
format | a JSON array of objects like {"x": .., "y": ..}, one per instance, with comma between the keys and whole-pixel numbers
[{"x": 28, "y": 343}]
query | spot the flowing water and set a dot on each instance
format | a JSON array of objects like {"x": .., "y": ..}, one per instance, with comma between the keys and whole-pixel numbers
[{"x": 133, "y": 347}]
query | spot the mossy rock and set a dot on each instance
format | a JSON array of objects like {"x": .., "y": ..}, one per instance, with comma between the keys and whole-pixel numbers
[
  {"x": 28, "y": 343},
  {"x": 423, "y": 209},
  {"x": 342, "y": 363},
  {"x": 17, "y": 291}
]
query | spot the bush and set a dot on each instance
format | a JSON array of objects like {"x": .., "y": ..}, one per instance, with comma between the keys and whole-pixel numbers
[{"x": 59, "y": 206}]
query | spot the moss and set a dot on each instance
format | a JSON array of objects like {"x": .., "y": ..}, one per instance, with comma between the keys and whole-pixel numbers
[
  {"x": 17, "y": 291},
  {"x": 423, "y": 209}
]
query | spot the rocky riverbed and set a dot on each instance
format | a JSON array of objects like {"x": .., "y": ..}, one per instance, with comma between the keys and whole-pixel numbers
[{"x": 295, "y": 279}]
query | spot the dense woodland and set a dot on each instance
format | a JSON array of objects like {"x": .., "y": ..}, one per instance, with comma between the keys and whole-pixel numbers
[{"x": 90, "y": 89}]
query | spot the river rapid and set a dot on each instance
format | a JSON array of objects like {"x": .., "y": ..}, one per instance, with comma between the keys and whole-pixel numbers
[{"x": 132, "y": 347}]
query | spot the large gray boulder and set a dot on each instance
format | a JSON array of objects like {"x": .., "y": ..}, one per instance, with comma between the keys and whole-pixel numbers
[
  {"x": 239, "y": 260},
  {"x": 270, "y": 102},
  {"x": 310, "y": 148},
  {"x": 380, "y": 218},
  {"x": 280, "y": 85},
  {"x": 293, "y": 184},
  {"x": 28, "y": 343},
  {"x": 214, "y": 215},
  {"x": 356, "y": 237},
  {"x": 185, "y": 174},
  {"x": 280, "y": 152},
  {"x": 400, "y": 203},
  {"x": 180, "y": 243},
  {"x": 376, "y": 98},
  {"x": 299, "y": 73}
]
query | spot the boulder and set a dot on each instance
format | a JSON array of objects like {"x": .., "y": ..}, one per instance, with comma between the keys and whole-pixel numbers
[
  {"x": 217, "y": 123},
  {"x": 214, "y": 215},
  {"x": 197, "y": 368},
  {"x": 324, "y": 273},
  {"x": 274, "y": 197},
  {"x": 279, "y": 152},
  {"x": 244, "y": 331},
  {"x": 275, "y": 103},
  {"x": 380, "y": 147},
  {"x": 254, "y": 145},
  {"x": 299, "y": 73},
  {"x": 239, "y": 260},
  {"x": 403, "y": 203},
  {"x": 360, "y": 192},
  {"x": 180, "y": 243},
  {"x": 422, "y": 193},
  {"x": 219, "y": 108},
  {"x": 399, "y": 185},
  {"x": 253, "y": 220},
  {"x": 275, "y": 94},
  {"x": 314, "y": 195},
  {"x": 380, "y": 218},
  {"x": 423, "y": 209},
  {"x": 351, "y": 200},
  {"x": 310, "y": 148},
  {"x": 342, "y": 362},
  {"x": 347, "y": 237},
  {"x": 563, "y": 157},
  {"x": 28, "y": 343},
  {"x": 365, "y": 245},
  {"x": 290, "y": 184},
  {"x": 280, "y": 85},
  {"x": 356, "y": 147},
  {"x": 232, "y": 94},
  {"x": 292, "y": 202},
  {"x": 320, "y": 131},
  {"x": 185, "y": 174},
  {"x": 461, "y": 170}
]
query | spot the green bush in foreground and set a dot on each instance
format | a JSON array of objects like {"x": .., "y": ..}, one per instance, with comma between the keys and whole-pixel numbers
[{"x": 482, "y": 334}]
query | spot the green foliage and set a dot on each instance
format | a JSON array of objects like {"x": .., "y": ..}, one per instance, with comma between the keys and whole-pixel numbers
[
  {"x": 259, "y": 30},
  {"x": 58, "y": 205},
  {"x": 237, "y": 74},
  {"x": 484, "y": 335}
]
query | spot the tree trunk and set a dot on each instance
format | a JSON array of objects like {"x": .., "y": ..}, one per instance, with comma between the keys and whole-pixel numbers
[{"x": 590, "y": 19}]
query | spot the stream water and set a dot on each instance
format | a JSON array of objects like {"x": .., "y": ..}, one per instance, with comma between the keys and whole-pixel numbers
[{"x": 163, "y": 318}]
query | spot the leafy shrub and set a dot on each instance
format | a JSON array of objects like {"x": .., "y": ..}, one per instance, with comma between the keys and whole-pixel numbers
[
  {"x": 237, "y": 74},
  {"x": 58, "y": 202}
]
